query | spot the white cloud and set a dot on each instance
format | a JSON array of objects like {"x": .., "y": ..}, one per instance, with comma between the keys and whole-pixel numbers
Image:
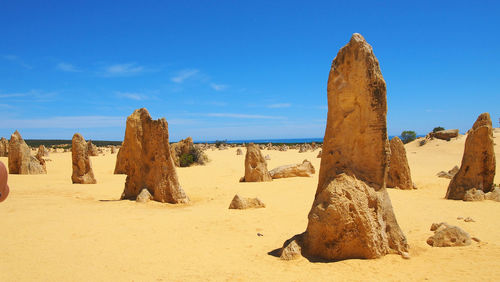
[
  {"x": 29, "y": 96},
  {"x": 245, "y": 116},
  {"x": 282, "y": 105},
  {"x": 197, "y": 76},
  {"x": 11, "y": 95},
  {"x": 69, "y": 122},
  {"x": 66, "y": 67},
  {"x": 132, "y": 96},
  {"x": 17, "y": 60},
  {"x": 123, "y": 70},
  {"x": 184, "y": 74},
  {"x": 10, "y": 57},
  {"x": 218, "y": 87}
]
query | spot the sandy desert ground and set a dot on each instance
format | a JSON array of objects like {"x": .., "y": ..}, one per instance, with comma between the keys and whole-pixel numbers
[{"x": 52, "y": 230}]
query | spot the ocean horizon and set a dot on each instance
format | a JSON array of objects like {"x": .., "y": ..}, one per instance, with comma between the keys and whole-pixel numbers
[
  {"x": 37, "y": 142},
  {"x": 279, "y": 140},
  {"x": 259, "y": 141}
]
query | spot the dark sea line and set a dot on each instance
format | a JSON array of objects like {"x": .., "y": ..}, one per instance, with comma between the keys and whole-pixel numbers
[
  {"x": 278, "y": 141},
  {"x": 99, "y": 143}
]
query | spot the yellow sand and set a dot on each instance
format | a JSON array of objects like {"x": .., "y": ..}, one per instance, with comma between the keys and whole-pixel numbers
[{"x": 53, "y": 230}]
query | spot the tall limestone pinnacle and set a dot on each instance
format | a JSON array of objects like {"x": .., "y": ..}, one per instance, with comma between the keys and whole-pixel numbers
[
  {"x": 82, "y": 165},
  {"x": 352, "y": 215},
  {"x": 399, "y": 175},
  {"x": 478, "y": 162},
  {"x": 355, "y": 139},
  {"x": 149, "y": 160},
  {"x": 20, "y": 159}
]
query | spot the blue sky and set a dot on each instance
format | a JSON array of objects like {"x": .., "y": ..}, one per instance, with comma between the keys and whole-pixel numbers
[{"x": 238, "y": 69}]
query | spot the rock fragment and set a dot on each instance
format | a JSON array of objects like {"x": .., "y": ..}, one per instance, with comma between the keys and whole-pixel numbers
[
  {"x": 305, "y": 169},
  {"x": 242, "y": 203},
  {"x": 448, "y": 236}
]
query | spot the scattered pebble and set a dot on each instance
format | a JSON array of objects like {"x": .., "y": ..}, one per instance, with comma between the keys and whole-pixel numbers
[
  {"x": 405, "y": 255},
  {"x": 467, "y": 219},
  {"x": 260, "y": 234},
  {"x": 476, "y": 239}
]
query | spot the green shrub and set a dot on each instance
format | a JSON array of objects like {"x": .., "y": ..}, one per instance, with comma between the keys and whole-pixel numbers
[
  {"x": 186, "y": 160},
  {"x": 198, "y": 155},
  {"x": 408, "y": 136},
  {"x": 436, "y": 129}
]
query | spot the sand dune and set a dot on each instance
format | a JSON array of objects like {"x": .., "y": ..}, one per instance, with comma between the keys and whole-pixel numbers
[{"x": 53, "y": 230}]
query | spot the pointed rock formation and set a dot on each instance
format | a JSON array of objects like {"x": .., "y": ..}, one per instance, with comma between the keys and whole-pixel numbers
[
  {"x": 255, "y": 166},
  {"x": 352, "y": 215},
  {"x": 399, "y": 175},
  {"x": 4, "y": 187},
  {"x": 313, "y": 146},
  {"x": 449, "y": 174},
  {"x": 42, "y": 151},
  {"x": 305, "y": 169},
  {"x": 239, "y": 151},
  {"x": 92, "y": 149},
  {"x": 82, "y": 166},
  {"x": 292, "y": 248},
  {"x": 304, "y": 148},
  {"x": 144, "y": 196},
  {"x": 4, "y": 147},
  {"x": 41, "y": 160},
  {"x": 355, "y": 140},
  {"x": 241, "y": 203},
  {"x": 283, "y": 148},
  {"x": 478, "y": 162},
  {"x": 121, "y": 162},
  {"x": 20, "y": 159},
  {"x": 149, "y": 160}
]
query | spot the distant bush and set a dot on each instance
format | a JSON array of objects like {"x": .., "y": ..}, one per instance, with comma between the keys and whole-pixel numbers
[
  {"x": 422, "y": 142},
  {"x": 186, "y": 160},
  {"x": 436, "y": 129},
  {"x": 407, "y": 136},
  {"x": 218, "y": 143}
]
